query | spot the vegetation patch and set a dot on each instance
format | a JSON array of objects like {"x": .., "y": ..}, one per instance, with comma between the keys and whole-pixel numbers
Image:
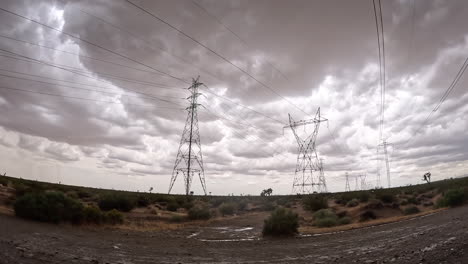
[
  {"x": 452, "y": 198},
  {"x": 227, "y": 209},
  {"x": 118, "y": 201},
  {"x": 411, "y": 210},
  {"x": 49, "y": 207},
  {"x": 314, "y": 202},
  {"x": 367, "y": 215},
  {"x": 325, "y": 218},
  {"x": 199, "y": 213},
  {"x": 281, "y": 222}
]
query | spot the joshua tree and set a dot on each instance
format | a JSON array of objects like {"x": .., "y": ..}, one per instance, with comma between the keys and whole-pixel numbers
[
  {"x": 266, "y": 192},
  {"x": 427, "y": 177},
  {"x": 151, "y": 189}
]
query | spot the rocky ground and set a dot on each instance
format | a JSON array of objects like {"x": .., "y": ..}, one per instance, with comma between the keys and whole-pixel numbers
[{"x": 438, "y": 238}]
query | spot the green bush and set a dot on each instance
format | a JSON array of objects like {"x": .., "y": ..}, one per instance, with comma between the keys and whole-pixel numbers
[
  {"x": 199, "y": 213},
  {"x": 386, "y": 197},
  {"x": 177, "y": 219},
  {"x": 93, "y": 215},
  {"x": 143, "y": 200},
  {"x": 367, "y": 215},
  {"x": 113, "y": 217},
  {"x": 363, "y": 197},
  {"x": 118, "y": 201},
  {"x": 242, "y": 205},
  {"x": 353, "y": 203},
  {"x": 344, "y": 221},
  {"x": 227, "y": 209},
  {"x": 325, "y": 218},
  {"x": 268, "y": 206},
  {"x": 49, "y": 207},
  {"x": 314, "y": 202},
  {"x": 281, "y": 222},
  {"x": 452, "y": 198},
  {"x": 172, "y": 206},
  {"x": 411, "y": 210}
]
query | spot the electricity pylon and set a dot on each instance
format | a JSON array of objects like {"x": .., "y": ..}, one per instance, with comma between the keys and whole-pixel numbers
[
  {"x": 347, "y": 188},
  {"x": 322, "y": 181},
  {"x": 189, "y": 160},
  {"x": 384, "y": 144},
  {"x": 305, "y": 180}
]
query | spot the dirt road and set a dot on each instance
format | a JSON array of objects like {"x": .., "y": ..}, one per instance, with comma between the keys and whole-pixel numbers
[{"x": 438, "y": 238}]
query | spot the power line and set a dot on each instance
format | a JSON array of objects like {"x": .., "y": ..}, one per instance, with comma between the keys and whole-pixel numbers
[
  {"x": 84, "y": 99},
  {"x": 80, "y": 72},
  {"x": 92, "y": 44},
  {"x": 237, "y": 36},
  {"x": 78, "y": 55},
  {"x": 215, "y": 53},
  {"x": 444, "y": 97},
  {"x": 149, "y": 44},
  {"x": 89, "y": 85},
  {"x": 150, "y": 97}
]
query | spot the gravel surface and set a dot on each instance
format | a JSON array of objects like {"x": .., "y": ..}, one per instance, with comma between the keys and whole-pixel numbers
[{"x": 437, "y": 238}]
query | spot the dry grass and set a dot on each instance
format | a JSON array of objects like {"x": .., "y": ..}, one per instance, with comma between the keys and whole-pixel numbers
[{"x": 376, "y": 222}]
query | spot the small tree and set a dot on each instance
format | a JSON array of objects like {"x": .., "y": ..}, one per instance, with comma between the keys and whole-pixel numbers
[
  {"x": 151, "y": 189},
  {"x": 427, "y": 177},
  {"x": 282, "y": 222},
  {"x": 266, "y": 192}
]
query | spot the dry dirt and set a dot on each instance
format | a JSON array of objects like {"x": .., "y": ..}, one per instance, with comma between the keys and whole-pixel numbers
[{"x": 438, "y": 238}]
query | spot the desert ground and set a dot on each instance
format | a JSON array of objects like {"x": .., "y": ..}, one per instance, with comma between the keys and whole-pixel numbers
[{"x": 441, "y": 237}]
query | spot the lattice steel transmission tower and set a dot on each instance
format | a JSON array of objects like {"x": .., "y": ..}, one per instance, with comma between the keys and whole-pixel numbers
[
  {"x": 189, "y": 160},
  {"x": 306, "y": 178},
  {"x": 347, "y": 188},
  {"x": 385, "y": 144},
  {"x": 322, "y": 181}
]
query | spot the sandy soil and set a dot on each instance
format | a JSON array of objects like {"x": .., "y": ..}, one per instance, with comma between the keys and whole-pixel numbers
[{"x": 438, "y": 238}]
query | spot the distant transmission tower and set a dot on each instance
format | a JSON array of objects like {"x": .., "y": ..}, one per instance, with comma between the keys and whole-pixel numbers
[
  {"x": 347, "y": 188},
  {"x": 189, "y": 160},
  {"x": 305, "y": 180},
  {"x": 384, "y": 144},
  {"x": 322, "y": 181}
]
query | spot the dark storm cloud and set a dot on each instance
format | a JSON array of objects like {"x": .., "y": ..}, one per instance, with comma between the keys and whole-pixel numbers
[{"x": 326, "y": 52}]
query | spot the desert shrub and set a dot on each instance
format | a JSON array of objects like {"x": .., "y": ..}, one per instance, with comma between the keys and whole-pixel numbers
[
  {"x": 172, "y": 206},
  {"x": 367, "y": 215},
  {"x": 281, "y": 222},
  {"x": 413, "y": 200},
  {"x": 21, "y": 189},
  {"x": 83, "y": 194},
  {"x": 187, "y": 205},
  {"x": 113, "y": 217},
  {"x": 363, "y": 197},
  {"x": 268, "y": 206},
  {"x": 341, "y": 214},
  {"x": 411, "y": 210},
  {"x": 242, "y": 205},
  {"x": 452, "y": 198},
  {"x": 386, "y": 197},
  {"x": 93, "y": 215},
  {"x": 72, "y": 194},
  {"x": 49, "y": 207},
  {"x": 142, "y": 201},
  {"x": 353, "y": 203},
  {"x": 344, "y": 220},
  {"x": 3, "y": 181},
  {"x": 177, "y": 219},
  {"x": 325, "y": 218},
  {"x": 118, "y": 201},
  {"x": 314, "y": 203},
  {"x": 227, "y": 209},
  {"x": 404, "y": 202},
  {"x": 199, "y": 213}
]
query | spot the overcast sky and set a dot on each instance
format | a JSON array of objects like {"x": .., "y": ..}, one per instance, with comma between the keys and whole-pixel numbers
[{"x": 79, "y": 114}]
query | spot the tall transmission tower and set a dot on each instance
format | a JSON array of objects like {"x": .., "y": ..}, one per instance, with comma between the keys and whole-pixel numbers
[
  {"x": 347, "y": 188},
  {"x": 189, "y": 160},
  {"x": 384, "y": 144},
  {"x": 322, "y": 181},
  {"x": 306, "y": 179}
]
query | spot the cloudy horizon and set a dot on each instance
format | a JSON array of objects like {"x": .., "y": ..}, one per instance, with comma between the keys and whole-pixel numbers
[{"x": 75, "y": 112}]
